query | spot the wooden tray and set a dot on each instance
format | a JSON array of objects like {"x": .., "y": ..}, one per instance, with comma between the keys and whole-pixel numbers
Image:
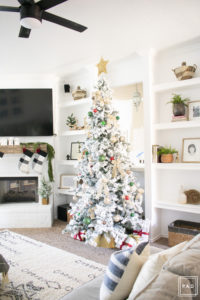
[{"x": 18, "y": 149}]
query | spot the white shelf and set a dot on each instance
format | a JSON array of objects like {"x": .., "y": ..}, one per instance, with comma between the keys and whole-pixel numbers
[
  {"x": 176, "y": 125},
  {"x": 73, "y": 103},
  {"x": 177, "y": 166},
  {"x": 138, "y": 168},
  {"x": 73, "y": 163},
  {"x": 178, "y": 207},
  {"x": 176, "y": 85},
  {"x": 68, "y": 192},
  {"x": 72, "y": 132}
]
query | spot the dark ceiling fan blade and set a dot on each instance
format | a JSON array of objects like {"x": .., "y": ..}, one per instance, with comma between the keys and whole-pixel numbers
[
  {"x": 24, "y": 32},
  {"x": 30, "y": 2},
  {"x": 63, "y": 22},
  {"x": 46, "y": 4},
  {"x": 9, "y": 8}
]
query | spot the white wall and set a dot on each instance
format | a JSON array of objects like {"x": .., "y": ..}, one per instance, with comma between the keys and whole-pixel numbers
[{"x": 9, "y": 162}]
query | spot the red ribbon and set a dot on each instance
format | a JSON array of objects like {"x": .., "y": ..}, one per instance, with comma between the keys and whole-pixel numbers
[
  {"x": 125, "y": 244},
  {"x": 140, "y": 233},
  {"x": 78, "y": 235}
]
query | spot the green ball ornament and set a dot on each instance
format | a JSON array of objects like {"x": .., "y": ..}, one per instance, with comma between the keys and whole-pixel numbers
[
  {"x": 102, "y": 157},
  {"x": 132, "y": 214},
  {"x": 103, "y": 123},
  {"x": 86, "y": 220},
  {"x": 131, "y": 183},
  {"x": 78, "y": 214},
  {"x": 117, "y": 117},
  {"x": 90, "y": 114},
  {"x": 86, "y": 152}
]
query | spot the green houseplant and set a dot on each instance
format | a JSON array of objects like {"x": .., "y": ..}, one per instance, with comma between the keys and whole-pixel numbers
[
  {"x": 45, "y": 191},
  {"x": 179, "y": 104},
  {"x": 167, "y": 154}
]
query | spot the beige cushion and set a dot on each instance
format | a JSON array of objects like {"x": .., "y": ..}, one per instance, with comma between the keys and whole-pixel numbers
[
  {"x": 118, "y": 286},
  {"x": 186, "y": 263},
  {"x": 165, "y": 287},
  {"x": 152, "y": 267}
]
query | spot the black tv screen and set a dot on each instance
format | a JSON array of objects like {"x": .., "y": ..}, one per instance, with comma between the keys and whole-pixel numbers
[{"x": 26, "y": 112}]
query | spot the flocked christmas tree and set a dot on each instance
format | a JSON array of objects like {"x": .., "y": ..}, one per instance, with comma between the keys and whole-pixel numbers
[{"x": 110, "y": 204}]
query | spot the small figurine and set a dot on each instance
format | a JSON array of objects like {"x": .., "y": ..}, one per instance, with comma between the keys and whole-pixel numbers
[{"x": 68, "y": 157}]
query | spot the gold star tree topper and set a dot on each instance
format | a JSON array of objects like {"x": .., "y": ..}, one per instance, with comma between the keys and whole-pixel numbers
[{"x": 102, "y": 66}]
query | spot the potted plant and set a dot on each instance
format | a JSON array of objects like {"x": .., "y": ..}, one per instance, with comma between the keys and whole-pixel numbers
[
  {"x": 179, "y": 104},
  {"x": 167, "y": 154},
  {"x": 45, "y": 191},
  {"x": 71, "y": 122}
]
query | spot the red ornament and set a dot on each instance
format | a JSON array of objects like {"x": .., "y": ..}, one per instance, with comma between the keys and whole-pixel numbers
[
  {"x": 112, "y": 158},
  {"x": 38, "y": 150},
  {"x": 94, "y": 110},
  {"x": 126, "y": 197},
  {"x": 24, "y": 149}
]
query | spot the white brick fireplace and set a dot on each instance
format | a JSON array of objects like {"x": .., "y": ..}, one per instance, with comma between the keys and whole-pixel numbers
[{"x": 22, "y": 215}]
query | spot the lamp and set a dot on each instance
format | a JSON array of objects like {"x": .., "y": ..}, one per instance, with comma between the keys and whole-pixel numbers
[
  {"x": 137, "y": 98},
  {"x": 30, "y": 16}
]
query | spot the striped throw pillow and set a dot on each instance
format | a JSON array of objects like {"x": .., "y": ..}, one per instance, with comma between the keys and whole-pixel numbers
[{"x": 122, "y": 272}]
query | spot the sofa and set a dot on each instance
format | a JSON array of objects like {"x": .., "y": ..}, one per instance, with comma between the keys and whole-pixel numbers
[{"x": 165, "y": 275}]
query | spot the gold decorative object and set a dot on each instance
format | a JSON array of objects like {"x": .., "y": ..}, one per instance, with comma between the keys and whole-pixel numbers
[
  {"x": 184, "y": 72},
  {"x": 102, "y": 66},
  {"x": 102, "y": 242},
  {"x": 45, "y": 201},
  {"x": 79, "y": 93},
  {"x": 193, "y": 196}
]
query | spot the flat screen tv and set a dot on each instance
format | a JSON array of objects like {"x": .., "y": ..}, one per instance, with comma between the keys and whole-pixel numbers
[{"x": 26, "y": 112}]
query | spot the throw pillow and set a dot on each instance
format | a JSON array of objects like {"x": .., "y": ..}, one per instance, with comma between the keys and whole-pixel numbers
[
  {"x": 152, "y": 267},
  {"x": 186, "y": 263},
  {"x": 122, "y": 271},
  {"x": 165, "y": 286}
]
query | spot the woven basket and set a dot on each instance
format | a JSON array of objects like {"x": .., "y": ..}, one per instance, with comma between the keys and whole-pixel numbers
[
  {"x": 180, "y": 231},
  {"x": 167, "y": 158},
  {"x": 184, "y": 72}
]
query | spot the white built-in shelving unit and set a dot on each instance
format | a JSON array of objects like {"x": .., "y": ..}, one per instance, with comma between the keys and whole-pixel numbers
[
  {"x": 166, "y": 179},
  {"x": 66, "y": 106}
]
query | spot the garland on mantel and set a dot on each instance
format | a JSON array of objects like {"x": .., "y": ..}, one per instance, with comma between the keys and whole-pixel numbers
[{"x": 50, "y": 155}]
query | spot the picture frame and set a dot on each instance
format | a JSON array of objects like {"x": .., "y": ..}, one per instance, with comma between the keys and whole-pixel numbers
[
  {"x": 75, "y": 152},
  {"x": 191, "y": 150},
  {"x": 194, "y": 110},
  {"x": 67, "y": 182}
]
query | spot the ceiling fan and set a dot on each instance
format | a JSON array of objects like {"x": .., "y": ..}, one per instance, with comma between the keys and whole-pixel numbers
[{"x": 32, "y": 13}]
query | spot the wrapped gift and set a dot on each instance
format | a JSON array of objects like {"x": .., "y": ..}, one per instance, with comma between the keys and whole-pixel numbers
[
  {"x": 80, "y": 236},
  {"x": 129, "y": 242},
  {"x": 104, "y": 243}
]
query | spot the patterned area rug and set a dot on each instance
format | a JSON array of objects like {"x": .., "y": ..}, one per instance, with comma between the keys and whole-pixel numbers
[{"x": 41, "y": 272}]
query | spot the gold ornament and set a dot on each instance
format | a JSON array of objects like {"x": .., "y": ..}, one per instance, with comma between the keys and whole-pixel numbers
[
  {"x": 141, "y": 191},
  {"x": 117, "y": 218},
  {"x": 102, "y": 66},
  {"x": 106, "y": 201},
  {"x": 113, "y": 139},
  {"x": 112, "y": 121},
  {"x": 122, "y": 139}
]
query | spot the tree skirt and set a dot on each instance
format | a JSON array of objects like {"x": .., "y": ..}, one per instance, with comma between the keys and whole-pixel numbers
[{"x": 41, "y": 272}]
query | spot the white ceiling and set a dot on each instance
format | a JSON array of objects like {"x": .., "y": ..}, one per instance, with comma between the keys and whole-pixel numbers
[{"x": 116, "y": 28}]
